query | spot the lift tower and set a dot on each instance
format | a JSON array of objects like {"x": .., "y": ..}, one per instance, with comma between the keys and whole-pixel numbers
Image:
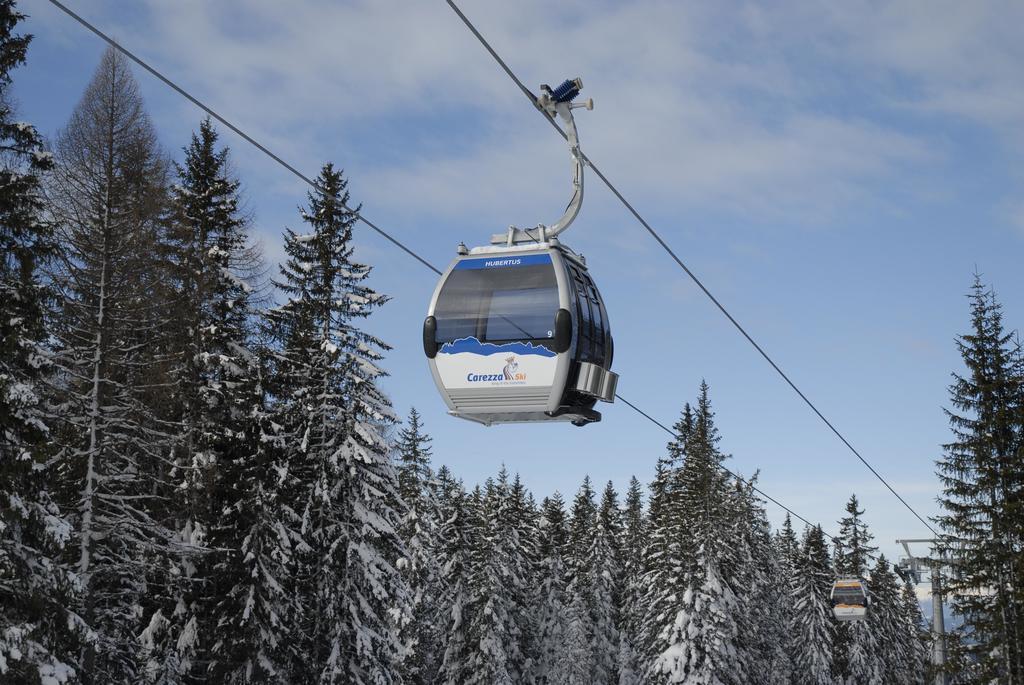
[{"x": 911, "y": 568}]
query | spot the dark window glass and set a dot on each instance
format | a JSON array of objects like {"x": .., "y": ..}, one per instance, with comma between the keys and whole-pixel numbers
[
  {"x": 595, "y": 306},
  {"x": 848, "y": 597},
  {"x": 495, "y": 305},
  {"x": 582, "y": 315},
  {"x": 515, "y": 313},
  {"x": 599, "y": 325},
  {"x": 592, "y": 344}
]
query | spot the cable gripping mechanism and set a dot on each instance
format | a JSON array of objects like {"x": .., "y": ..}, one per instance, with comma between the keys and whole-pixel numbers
[{"x": 557, "y": 102}]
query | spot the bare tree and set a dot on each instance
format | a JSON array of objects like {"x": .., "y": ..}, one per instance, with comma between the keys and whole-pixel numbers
[{"x": 108, "y": 197}]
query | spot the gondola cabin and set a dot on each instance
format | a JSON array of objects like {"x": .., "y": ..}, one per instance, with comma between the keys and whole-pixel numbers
[
  {"x": 849, "y": 599},
  {"x": 519, "y": 333}
]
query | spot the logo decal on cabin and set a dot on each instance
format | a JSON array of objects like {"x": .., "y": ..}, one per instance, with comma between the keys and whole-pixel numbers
[
  {"x": 469, "y": 363},
  {"x": 509, "y": 374}
]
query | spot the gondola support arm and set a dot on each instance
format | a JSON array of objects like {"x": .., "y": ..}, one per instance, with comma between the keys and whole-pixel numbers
[{"x": 557, "y": 103}]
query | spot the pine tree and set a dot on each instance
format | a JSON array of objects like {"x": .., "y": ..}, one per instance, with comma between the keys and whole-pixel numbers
[
  {"x": 884, "y": 620},
  {"x": 663, "y": 550},
  {"x": 786, "y": 558},
  {"x": 918, "y": 638},
  {"x": 458, "y": 539},
  {"x": 592, "y": 592},
  {"x": 982, "y": 472},
  {"x": 857, "y": 655},
  {"x": 213, "y": 264},
  {"x": 417, "y": 530},
  {"x": 630, "y": 606},
  {"x": 787, "y": 547},
  {"x": 856, "y": 649},
  {"x": 660, "y": 566},
  {"x": 698, "y": 637},
  {"x": 607, "y": 584},
  {"x": 575, "y": 665},
  {"x": 898, "y": 640},
  {"x": 37, "y": 632},
  {"x": 524, "y": 518},
  {"x": 582, "y": 575},
  {"x": 550, "y": 603},
  {"x": 260, "y": 529},
  {"x": 474, "y": 582},
  {"x": 812, "y": 627},
  {"x": 331, "y": 410},
  {"x": 498, "y": 588},
  {"x": 108, "y": 196},
  {"x": 230, "y": 618},
  {"x": 756, "y": 579},
  {"x": 413, "y": 460},
  {"x": 854, "y": 552},
  {"x": 213, "y": 374}
]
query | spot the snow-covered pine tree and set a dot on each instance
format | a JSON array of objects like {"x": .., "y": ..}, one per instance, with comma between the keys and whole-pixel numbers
[
  {"x": 756, "y": 580},
  {"x": 214, "y": 263},
  {"x": 108, "y": 197},
  {"x": 918, "y": 637},
  {"x": 581, "y": 577},
  {"x": 550, "y": 602},
  {"x": 524, "y": 517},
  {"x": 631, "y": 605},
  {"x": 213, "y": 394},
  {"x": 459, "y": 540},
  {"x": 812, "y": 627},
  {"x": 887, "y": 619},
  {"x": 662, "y": 557},
  {"x": 982, "y": 473},
  {"x": 412, "y": 455},
  {"x": 606, "y": 569},
  {"x": 256, "y": 538},
  {"x": 575, "y": 665},
  {"x": 786, "y": 553},
  {"x": 225, "y": 617},
  {"x": 37, "y": 631},
  {"x": 659, "y": 565},
  {"x": 854, "y": 551},
  {"x": 857, "y": 654},
  {"x": 339, "y": 475},
  {"x": 697, "y": 642},
  {"x": 786, "y": 542},
  {"x": 498, "y": 589},
  {"x": 589, "y": 650},
  {"x": 475, "y": 574},
  {"x": 787, "y": 549},
  {"x": 855, "y": 650},
  {"x": 417, "y": 529}
]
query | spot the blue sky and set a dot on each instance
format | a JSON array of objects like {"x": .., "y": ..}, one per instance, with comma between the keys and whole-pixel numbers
[{"x": 834, "y": 174}]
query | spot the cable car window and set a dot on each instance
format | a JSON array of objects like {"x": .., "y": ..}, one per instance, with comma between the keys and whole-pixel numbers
[
  {"x": 583, "y": 312},
  {"x": 599, "y": 324},
  {"x": 586, "y": 316},
  {"x": 515, "y": 314},
  {"x": 848, "y": 597},
  {"x": 596, "y": 334},
  {"x": 590, "y": 345},
  {"x": 596, "y": 306},
  {"x": 491, "y": 305}
]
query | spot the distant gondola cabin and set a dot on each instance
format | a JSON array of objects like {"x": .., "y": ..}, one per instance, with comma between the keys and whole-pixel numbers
[{"x": 849, "y": 599}]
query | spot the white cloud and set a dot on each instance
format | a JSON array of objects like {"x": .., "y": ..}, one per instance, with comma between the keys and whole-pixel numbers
[
  {"x": 947, "y": 57},
  {"x": 782, "y": 112}
]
